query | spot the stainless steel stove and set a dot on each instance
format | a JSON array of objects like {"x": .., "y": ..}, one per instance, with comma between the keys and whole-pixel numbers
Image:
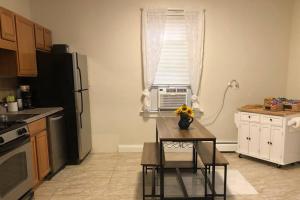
[{"x": 15, "y": 157}]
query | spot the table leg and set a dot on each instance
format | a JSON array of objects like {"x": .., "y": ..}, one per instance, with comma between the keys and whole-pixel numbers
[
  {"x": 225, "y": 182},
  {"x": 156, "y": 135},
  {"x": 161, "y": 171},
  {"x": 195, "y": 158},
  {"x": 213, "y": 169},
  {"x": 143, "y": 182}
]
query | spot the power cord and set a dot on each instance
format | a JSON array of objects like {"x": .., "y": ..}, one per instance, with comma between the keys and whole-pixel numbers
[{"x": 231, "y": 84}]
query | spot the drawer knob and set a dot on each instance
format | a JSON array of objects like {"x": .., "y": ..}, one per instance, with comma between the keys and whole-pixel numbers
[
  {"x": 249, "y": 116},
  {"x": 271, "y": 119}
]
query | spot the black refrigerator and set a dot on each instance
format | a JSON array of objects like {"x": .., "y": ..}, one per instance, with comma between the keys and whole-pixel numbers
[{"x": 63, "y": 81}]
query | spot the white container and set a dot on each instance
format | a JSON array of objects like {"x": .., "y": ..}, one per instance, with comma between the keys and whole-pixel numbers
[{"x": 12, "y": 107}]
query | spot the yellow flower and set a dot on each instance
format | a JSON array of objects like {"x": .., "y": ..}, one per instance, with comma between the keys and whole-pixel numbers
[{"x": 185, "y": 109}]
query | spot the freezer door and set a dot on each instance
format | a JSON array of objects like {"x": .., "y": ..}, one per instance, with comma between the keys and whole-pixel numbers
[
  {"x": 80, "y": 71},
  {"x": 83, "y": 123}
]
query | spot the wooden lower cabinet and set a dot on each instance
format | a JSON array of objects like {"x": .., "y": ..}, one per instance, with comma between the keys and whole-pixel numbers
[
  {"x": 34, "y": 162},
  {"x": 42, "y": 154},
  {"x": 39, "y": 142}
]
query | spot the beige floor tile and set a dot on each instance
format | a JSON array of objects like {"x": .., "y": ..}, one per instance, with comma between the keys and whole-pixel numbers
[{"x": 117, "y": 176}]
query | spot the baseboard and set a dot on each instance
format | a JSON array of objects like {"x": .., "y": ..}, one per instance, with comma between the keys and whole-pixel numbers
[{"x": 222, "y": 146}]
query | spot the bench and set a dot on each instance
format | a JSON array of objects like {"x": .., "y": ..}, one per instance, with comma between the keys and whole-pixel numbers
[
  {"x": 204, "y": 150},
  {"x": 150, "y": 159}
]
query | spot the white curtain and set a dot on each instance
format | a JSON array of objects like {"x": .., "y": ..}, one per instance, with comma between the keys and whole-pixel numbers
[
  {"x": 153, "y": 26},
  {"x": 195, "y": 27}
]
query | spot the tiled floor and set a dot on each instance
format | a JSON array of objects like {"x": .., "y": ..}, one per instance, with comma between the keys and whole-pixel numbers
[{"x": 117, "y": 177}]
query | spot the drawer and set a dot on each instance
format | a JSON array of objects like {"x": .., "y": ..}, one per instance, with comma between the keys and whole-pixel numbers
[
  {"x": 37, "y": 126},
  {"x": 272, "y": 120},
  {"x": 250, "y": 117}
]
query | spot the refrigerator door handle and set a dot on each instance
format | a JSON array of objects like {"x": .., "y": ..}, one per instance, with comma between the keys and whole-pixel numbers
[
  {"x": 78, "y": 68},
  {"x": 81, "y": 110}
]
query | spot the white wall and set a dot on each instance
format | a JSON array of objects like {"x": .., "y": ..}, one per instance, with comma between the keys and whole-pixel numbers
[
  {"x": 293, "y": 82},
  {"x": 21, "y": 7},
  {"x": 246, "y": 40}
]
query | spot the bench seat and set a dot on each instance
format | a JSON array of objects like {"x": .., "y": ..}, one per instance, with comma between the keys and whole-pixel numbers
[
  {"x": 151, "y": 154},
  {"x": 204, "y": 150}
]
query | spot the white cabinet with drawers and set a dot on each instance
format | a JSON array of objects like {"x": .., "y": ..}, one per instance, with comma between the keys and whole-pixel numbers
[{"x": 268, "y": 138}]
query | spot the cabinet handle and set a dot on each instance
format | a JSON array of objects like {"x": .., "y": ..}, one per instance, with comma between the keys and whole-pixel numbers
[
  {"x": 271, "y": 119},
  {"x": 271, "y": 143},
  {"x": 249, "y": 138},
  {"x": 268, "y": 142},
  {"x": 249, "y": 116}
]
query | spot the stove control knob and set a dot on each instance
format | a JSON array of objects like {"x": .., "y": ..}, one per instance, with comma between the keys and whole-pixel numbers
[
  {"x": 1, "y": 140},
  {"x": 21, "y": 131}
]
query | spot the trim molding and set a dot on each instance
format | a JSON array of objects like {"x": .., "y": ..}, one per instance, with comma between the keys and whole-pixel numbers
[{"x": 222, "y": 146}]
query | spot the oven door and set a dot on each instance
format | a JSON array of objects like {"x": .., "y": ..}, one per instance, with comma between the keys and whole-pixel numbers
[{"x": 15, "y": 169}]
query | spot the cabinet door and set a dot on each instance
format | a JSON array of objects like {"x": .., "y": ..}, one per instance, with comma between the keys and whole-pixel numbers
[
  {"x": 42, "y": 154},
  {"x": 254, "y": 139},
  {"x": 243, "y": 137},
  {"x": 34, "y": 162},
  {"x": 26, "y": 47},
  {"x": 265, "y": 139},
  {"x": 48, "y": 39},
  {"x": 8, "y": 28},
  {"x": 277, "y": 142},
  {"x": 39, "y": 37}
]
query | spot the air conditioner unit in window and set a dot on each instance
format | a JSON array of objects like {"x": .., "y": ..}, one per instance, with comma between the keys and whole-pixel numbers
[{"x": 172, "y": 97}]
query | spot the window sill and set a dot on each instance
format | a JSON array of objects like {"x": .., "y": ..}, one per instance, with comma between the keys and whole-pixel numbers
[{"x": 156, "y": 114}]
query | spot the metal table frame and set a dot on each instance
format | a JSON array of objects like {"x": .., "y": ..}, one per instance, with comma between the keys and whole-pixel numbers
[{"x": 177, "y": 168}]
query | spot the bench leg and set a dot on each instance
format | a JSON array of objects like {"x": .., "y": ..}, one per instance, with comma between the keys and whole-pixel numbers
[
  {"x": 225, "y": 181},
  {"x": 153, "y": 181},
  {"x": 195, "y": 158},
  {"x": 143, "y": 182},
  {"x": 205, "y": 180}
]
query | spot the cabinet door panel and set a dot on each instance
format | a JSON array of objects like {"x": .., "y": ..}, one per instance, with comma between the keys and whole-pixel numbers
[
  {"x": 48, "y": 39},
  {"x": 26, "y": 47},
  {"x": 34, "y": 162},
  {"x": 39, "y": 37},
  {"x": 243, "y": 135},
  {"x": 254, "y": 139},
  {"x": 265, "y": 138},
  {"x": 8, "y": 28},
  {"x": 276, "y": 144},
  {"x": 42, "y": 154}
]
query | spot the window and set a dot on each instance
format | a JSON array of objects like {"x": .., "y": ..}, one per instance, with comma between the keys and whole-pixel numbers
[
  {"x": 172, "y": 48},
  {"x": 173, "y": 65}
]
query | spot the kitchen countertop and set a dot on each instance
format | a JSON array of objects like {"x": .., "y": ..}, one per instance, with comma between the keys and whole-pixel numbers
[
  {"x": 268, "y": 112},
  {"x": 41, "y": 113}
]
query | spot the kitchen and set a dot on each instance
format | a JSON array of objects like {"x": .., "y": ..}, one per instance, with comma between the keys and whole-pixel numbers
[
  {"x": 85, "y": 98},
  {"x": 44, "y": 126}
]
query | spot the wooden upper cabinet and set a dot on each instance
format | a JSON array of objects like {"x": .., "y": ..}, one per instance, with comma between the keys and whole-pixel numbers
[
  {"x": 8, "y": 30},
  {"x": 39, "y": 36},
  {"x": 26, "y": 47},
  {"x": 48, "y": 39},
  {"x": 43, "y": 38}
]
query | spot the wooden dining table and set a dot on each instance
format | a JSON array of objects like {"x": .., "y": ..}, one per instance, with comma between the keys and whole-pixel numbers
[{"x": 167, "y": 131}]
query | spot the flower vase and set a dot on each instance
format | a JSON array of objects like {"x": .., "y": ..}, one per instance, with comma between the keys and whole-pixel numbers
[{"x": 185, "y": 121}]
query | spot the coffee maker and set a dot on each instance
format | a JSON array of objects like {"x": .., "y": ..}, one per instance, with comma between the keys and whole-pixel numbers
[{"x": 26, "y": 96}]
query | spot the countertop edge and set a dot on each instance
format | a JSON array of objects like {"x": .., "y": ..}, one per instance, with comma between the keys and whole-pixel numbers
[
  {"x": 266, "y": 112},
  {"x": 39, "y": 113},
  {"x": 43, "y": 115}
]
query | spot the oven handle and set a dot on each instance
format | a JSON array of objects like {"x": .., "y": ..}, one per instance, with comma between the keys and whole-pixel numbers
[{"x": 14, "y": 144}]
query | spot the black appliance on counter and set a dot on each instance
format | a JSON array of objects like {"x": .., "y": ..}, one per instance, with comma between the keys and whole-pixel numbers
[{"x": 62, "y": 81}]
